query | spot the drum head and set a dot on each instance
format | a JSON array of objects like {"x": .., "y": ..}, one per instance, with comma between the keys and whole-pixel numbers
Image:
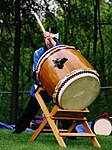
[
  {"x": 102, "y": 126},
  {"x": 79, "y": 92}
]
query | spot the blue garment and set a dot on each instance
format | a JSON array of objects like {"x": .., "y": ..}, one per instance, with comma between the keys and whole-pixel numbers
[{"x": 37, "y": 54}]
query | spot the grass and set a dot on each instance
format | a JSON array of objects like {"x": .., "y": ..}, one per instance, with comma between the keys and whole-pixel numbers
[{"x": 47, "y": 141}]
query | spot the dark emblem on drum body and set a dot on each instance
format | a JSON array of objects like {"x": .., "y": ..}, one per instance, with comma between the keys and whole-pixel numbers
[{"x": 59, "y": 62}]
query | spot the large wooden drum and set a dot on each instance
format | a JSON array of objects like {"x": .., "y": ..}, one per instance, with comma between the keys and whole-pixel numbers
[{"x": 68, "y": 77}]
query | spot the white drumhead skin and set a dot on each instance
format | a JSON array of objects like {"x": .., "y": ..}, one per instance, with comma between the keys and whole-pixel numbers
[
  {"x": 79, "y": 92},
  {"x": 103, "y": 127}
]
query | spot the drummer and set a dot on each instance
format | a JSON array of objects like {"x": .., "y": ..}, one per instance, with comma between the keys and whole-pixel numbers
[{"x": 51, "y": 37}]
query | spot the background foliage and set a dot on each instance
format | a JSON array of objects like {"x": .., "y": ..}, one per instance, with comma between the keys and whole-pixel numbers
[{"x": 87, "y": 25}]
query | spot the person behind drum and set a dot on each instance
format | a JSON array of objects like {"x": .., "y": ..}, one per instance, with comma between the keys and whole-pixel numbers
[{"x": 51, "y": 38}]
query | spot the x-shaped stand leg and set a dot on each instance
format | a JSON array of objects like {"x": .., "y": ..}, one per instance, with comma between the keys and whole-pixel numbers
[{"x": 49, "y": 120}]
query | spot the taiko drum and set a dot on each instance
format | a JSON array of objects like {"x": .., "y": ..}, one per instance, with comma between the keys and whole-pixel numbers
[{"x": 68, "y": 77}]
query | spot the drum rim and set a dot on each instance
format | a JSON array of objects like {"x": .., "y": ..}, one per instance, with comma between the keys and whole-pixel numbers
[
  {"x": 101, "y": 117},
  {"x": 75, "y": 73}
]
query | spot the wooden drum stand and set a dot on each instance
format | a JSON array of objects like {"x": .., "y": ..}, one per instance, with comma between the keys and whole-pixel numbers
[{"x": 60, "y": 114}]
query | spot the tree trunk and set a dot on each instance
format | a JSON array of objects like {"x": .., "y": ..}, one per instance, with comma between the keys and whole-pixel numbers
[
  {"x": 102, "y": 61},
  {"x": 95, "y": 31},
  {"x": 14, "y": 97}
]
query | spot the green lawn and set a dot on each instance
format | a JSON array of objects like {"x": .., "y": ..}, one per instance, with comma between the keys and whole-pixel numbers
[{"x": 47, "y": 141}]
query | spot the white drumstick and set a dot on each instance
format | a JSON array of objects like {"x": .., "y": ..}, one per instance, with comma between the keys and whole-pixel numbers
[{"x": 38, "y": 21}]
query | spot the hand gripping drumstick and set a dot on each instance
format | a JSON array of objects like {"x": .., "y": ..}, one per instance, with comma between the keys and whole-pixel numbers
[{"x": 39, "y": 22}]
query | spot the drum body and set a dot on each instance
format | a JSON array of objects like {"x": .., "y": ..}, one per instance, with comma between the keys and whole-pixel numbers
[
  {"x": 68, "y": 77},
  {"x": 102, "y": 126}
]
